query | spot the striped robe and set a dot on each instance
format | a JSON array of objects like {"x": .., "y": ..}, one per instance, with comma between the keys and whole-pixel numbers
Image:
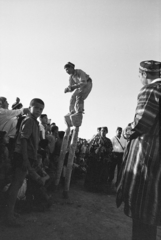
[{"x": 139, "y": 184}]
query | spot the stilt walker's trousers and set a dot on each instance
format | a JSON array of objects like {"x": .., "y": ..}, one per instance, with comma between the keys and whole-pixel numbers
[{"x": 78, "y": 97}]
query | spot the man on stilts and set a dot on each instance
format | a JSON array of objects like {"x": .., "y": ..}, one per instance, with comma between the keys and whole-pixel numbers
[{"x": 81, "y": 84}]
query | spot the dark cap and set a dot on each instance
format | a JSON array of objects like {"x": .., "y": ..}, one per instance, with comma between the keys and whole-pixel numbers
[
  {"x": 150, "y": 66},
  {"x": 69, "y": 64},
  {"x": 119, "y": 128}
]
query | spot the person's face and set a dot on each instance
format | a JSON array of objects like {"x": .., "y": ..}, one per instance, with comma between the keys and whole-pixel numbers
[
  {"x": 103, "y": 132},
  {"x": 98, "y": 131},
  {"x": 118, "y": 132},
  {"x": 44, "y": 120},
  {"x": 127, "y": 132},
  {"x": 69, "y": 70},
  {"x": 37, "y": 109},
  {"x": 143, "y": 78},
  {"x": 5, "y": 104}
]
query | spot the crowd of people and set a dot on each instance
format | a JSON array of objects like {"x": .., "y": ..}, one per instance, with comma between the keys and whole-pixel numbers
[
  {"x": 33, "y": 179},
  {"x": 30, "y": 150}
]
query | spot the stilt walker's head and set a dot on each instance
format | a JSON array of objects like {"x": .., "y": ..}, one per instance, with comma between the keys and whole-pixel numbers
[{"x": 69, "y": 67}]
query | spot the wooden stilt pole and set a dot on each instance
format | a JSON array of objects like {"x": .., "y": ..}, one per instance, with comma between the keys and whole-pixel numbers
[
  {"x": 62, "y": 155},
  {"x": 71, "y": 156}
]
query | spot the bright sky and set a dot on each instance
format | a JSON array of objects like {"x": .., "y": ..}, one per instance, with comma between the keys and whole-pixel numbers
[{"x": 105, "y": 38}]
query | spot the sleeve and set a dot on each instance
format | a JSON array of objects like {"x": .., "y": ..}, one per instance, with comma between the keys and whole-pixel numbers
[
  {"x": 12, "y": 113},
  {"x": 26, "y": 129},
  {"x": 146, "y": 111},
  {"x": 82, "y": 77},
  {"x": 112, "y": 141},
  {"x": 41, "y": 127},
  {"x": 71, "y": 81}
]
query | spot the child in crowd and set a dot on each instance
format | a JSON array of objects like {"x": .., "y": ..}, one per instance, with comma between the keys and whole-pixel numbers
[
  {"x": 25, "y": 154},
  {"x": 43, "y": 125},
  {"x": 52, "y": 138}
]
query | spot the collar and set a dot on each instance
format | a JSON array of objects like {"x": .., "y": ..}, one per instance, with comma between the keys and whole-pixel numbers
[
  {"x": 31, "y": 116},
  {"x": 156, "y": 80},
  {"x": 74, "y": 72}
]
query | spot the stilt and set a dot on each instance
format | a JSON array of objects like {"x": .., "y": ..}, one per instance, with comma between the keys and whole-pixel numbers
[
  {"x": 76, "y": 121},
  {"x": 71, "y": 156},
  {"x": 62, "y": 155}
]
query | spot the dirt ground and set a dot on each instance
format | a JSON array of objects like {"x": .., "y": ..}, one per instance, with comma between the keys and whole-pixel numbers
[{"x": 84, "y": 216}]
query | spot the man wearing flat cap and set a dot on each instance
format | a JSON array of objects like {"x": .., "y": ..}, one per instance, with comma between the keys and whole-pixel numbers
[
  {"x": 80, "y": 84},
  {"x": 139, "y": 184}
]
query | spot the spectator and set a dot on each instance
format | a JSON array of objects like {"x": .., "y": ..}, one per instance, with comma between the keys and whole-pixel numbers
[
  {"x": 139, "y": 185},
  {"x": 17, "y": 104},
  {"x": 52, "y": 138},
  {"x": 127, "y": 132},
  {"x": 53, "y": 124},
  {"x": 97, "y": 163},
  {"x": 47, "y": 130},
  {"x": 83, "y": 150},
  {"x": 95, "y": 136},
  {"x": 7, "y": 118},
  {"x": 24, "y": 156},
  {"x": 43, "y": 125},
  {"x": 119, "y": 144},
  {"x": 5, "y": 165},
  {"x": 58, "y": 146},
  {"x": 98, "y": 133}
]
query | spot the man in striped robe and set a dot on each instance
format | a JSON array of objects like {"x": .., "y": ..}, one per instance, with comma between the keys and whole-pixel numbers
[{"x": 139, "y": 185}]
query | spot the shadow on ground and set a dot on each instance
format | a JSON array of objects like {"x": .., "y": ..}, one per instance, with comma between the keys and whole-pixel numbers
[{"x": 84, "y": 216}]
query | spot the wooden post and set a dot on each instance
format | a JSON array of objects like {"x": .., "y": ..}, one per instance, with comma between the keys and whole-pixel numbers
[
  {"x": 71, "y": 156},
  {"x": 62, "y": 155}
]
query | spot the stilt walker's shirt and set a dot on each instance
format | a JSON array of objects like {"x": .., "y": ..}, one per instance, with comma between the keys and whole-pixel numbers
[{"x": 78, "y": 79}]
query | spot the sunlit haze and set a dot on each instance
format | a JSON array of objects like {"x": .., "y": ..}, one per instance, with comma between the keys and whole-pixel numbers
[{"x": 106, "y": 39}]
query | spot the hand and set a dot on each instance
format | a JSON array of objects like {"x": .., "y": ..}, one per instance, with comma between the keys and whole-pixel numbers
[
  {"x": 66, "y": 90},
  {"x": 97, "y": 150}
]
